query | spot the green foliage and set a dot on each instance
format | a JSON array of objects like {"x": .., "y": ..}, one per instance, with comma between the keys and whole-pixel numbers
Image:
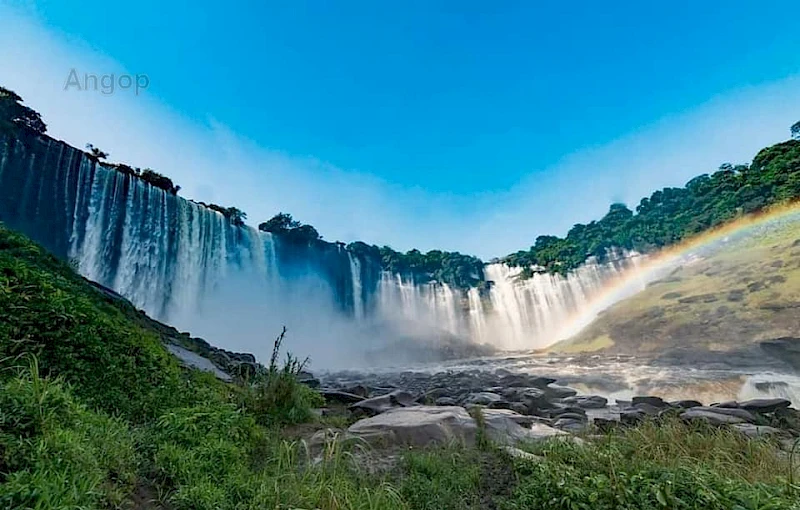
[
  {"x": 55, "y": 453},
  {"x": 13, "y": 114},
  {"x": 79, "y": 334},
  {"x": 150, "y": 176},
  {"x": 453, "y": 268},
  {"x": 234, "y": 215},
  {"x": 276, "y": 397},
  {"x": 671, "y": 215},
  {"x": 670, "y": 465},
  {"x": 289, "y": 229}
]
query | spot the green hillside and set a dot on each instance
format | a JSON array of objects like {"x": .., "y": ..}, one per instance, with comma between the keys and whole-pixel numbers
[{"x": 747, "y": 291}]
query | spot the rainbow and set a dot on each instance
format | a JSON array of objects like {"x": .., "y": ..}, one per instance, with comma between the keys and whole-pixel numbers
[{"x": 650, "y": 267}]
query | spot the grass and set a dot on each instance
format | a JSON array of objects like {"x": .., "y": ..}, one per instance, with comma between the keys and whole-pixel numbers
[{"x": 94, "y": 413}]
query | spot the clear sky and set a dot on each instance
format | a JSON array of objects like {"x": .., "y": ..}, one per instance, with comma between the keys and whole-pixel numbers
[{"x": 471, "y": 126}]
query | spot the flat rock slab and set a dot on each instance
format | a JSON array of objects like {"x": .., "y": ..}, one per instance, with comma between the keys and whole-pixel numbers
[
  {"x": 194, "y": 360},
  {"x": 739, "y": 413},
  {"x": 586, "y": 402},
  {"x": 417, "y": 426},
  {"x": 714, "y": 418},
  {"x": 755, "y": 431}
]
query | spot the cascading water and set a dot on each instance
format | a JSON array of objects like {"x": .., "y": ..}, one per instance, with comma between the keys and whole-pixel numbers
[{"x": 171, "y": 257}]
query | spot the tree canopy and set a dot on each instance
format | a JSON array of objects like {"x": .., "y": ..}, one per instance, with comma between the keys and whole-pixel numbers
[
  {"x": 14, "y": 114},
  {"x": 670, "y": 215}
]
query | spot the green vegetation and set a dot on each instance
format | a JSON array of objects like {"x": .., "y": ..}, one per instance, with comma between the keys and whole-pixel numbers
[
  {"x": 671, "y": 215},
  {"x": 234, "y": 215},
  {"x": 94, "y": 413},
  {"x": 455, "y": 269},
  {"x": 14, "y": 115},
  {"x": 284, "y": 225}
]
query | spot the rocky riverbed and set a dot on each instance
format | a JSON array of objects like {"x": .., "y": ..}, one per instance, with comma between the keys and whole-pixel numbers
[{"x": 530, "y": 397}]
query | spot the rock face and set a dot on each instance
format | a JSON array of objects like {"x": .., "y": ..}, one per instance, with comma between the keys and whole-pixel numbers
[
  {"x": 418, "y": 426},
  {"x": 784, "y": 348}
]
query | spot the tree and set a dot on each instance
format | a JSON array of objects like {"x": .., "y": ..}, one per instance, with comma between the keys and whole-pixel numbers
[
  {"x": 279, "y": 223},
  {"x": 795, "y": 130},
  {"x": 14, "y": 114},
  {"x": 235, "y": 216},
  {"x": 95, "y": 152}
]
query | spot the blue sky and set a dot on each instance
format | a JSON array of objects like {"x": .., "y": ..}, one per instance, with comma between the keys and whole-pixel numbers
[{"x": 462, "y": 125}]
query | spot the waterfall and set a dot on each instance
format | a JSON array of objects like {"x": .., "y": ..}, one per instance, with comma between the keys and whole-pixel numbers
[
  {"x": 358, "y": 291},
  {"x": 170, "y": 256}
]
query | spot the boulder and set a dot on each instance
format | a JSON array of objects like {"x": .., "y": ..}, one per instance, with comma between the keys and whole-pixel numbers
[
  {"x": 570, "y": 425},
  {"x": 657, "y": 402},
  {"x": 540, "y": 382},
  {"x": 685, "y": 404},
  {"x": 739, "y": 413},
  {"x": 358, "y": 389},
  {"x": 559, "y": 392},
  {"x": 417, "y": 426},
  {"x": 483, "y": 398},
  {"x": 340, "y": 396},
  {"x": 765, "y": 405},
  {"x": 446, "y": 401},
  {"x": 383, "y": 403},
  {"x": 756, "y": 431},
  {"x": 505, "y": 429},
  {"x": 586, "y": 402},
  {"x": 713, "y": 418}
]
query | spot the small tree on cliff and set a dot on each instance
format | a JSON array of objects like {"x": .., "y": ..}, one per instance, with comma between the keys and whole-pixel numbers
[
  {"x": 14, "y": 114},
  {"x": 279, "y": 223},
  {"x": 95, "y": 152},
  {"x": 236, "y": 216},
  {"x": 795, "y": 129}
]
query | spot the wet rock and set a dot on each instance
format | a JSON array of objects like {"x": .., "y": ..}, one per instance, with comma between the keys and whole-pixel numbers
[
  {"x": 383, "y": 403},
  {"x": 713, "y": 418},
  {"x": 446, "y": 401},
  {"x": 755, "y": 431},
  {"x": 786, "y": 348},
  {"x": 358, "y": 389},
  {"x": 685, "y": 404},
  {"x": 554, "y": 392},
  {"x": 519, "y": 407},
  {"x": 535, "y": 399},
  {"x": 765, "y": 405},
  {"x": 505, "y": 429},
  {"x": 341, "y": 397},
  {"x": 500, "y": 404},
  {"x": 570, "y": 425},
  {"x": 657, "y": 402},
  {"x": 483, "y": 398},
  {"x": 739, "y": 413},
  {"x": 417, "y": 426},
  {"x": 541, "y": 382},
  {"x": 606, "y": 425},
  {"x": 586, "y": 402},
  {"x": 631, "y": 416},
  {"x": 647, "y": 409}
]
